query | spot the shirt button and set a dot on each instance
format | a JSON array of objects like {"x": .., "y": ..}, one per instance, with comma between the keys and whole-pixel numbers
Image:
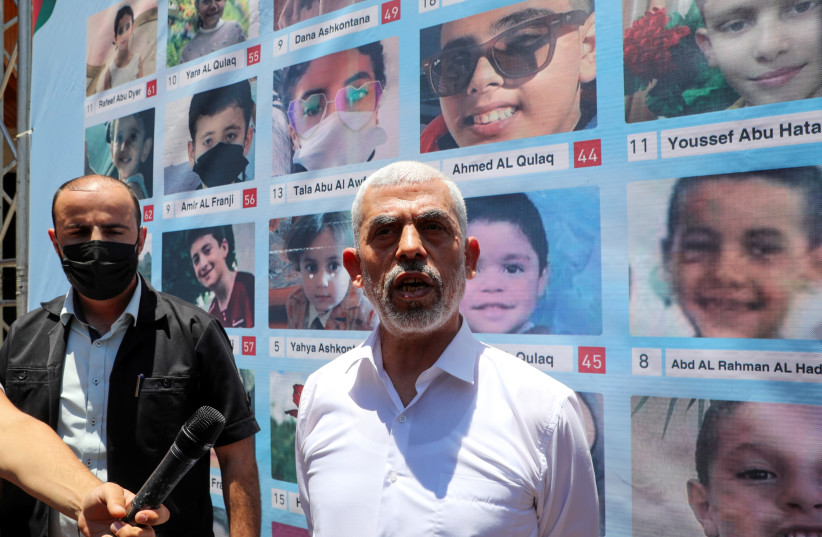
[
  {"x": 97, "y": 343},
  {"x": 403, "y": 418},
  {"x": 88, "y": 463},
  {"x": 392, "y": 477},
  {"x": 94, "y": 421},
  {"x": 95, "y": 381}
]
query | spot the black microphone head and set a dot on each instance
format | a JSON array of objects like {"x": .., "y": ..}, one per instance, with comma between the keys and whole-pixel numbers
[{"x": 200, "y": 431}]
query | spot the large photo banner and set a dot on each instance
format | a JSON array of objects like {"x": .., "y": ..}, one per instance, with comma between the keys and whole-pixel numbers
[{"x": 644, "y": 179}]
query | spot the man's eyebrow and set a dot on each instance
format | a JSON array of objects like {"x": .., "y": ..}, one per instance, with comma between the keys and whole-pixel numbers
[
  {"x": 517, "y": 17},
  {"x": 382, "y": 220},
  {"x": 433, "y": 214}
]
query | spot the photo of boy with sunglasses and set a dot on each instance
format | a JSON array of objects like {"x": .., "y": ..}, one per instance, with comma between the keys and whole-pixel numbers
[
  {"x": 523, "y": 70},
  {"x": 335, "y": 107}
]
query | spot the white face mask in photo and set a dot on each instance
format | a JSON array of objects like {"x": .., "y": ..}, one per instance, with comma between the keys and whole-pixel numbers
[{"x": 332, "y": 143}]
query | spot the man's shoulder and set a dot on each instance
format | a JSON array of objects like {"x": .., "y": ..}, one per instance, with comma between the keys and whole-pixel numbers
[
  {"x": 47, "y": 310},
  {"x": 341, "y": 365}
]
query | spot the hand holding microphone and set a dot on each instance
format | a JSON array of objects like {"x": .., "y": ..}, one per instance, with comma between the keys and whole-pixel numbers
[{"x": 195, "y": 439}]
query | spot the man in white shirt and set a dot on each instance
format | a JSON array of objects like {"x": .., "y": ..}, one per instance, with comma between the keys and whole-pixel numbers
[{"x": 423, "y": 430}]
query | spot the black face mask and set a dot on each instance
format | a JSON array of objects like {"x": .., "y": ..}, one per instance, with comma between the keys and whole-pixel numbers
[
  {"x": 221, "y": 164},
  {"x": 100, "y": 270}
]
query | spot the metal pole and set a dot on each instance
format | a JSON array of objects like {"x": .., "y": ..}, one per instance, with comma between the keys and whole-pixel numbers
[{"x": 24, "y": 37}]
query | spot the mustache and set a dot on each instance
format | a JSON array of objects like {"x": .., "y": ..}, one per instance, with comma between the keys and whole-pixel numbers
[{"x": 413, "y": 265}]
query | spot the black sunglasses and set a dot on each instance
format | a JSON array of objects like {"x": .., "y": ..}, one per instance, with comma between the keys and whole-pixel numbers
[{"x": 520, "y": 51}]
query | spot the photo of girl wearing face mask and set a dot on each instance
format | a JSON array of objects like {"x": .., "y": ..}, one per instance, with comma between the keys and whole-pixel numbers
[{"x": 336, "y": 107}]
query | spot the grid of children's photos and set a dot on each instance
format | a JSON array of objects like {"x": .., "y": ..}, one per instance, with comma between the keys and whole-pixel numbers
[{"x": 644, "y": 179}]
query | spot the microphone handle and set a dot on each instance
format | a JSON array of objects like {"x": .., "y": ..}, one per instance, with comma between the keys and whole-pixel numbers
[{"x": 161, "y": 482}]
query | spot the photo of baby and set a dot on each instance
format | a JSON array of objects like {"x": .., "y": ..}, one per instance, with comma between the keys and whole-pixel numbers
[
  {"x": 724, "y": 468},
  {"x": 213, "y": 267},
  {"x": 123, "y": 148},
  {"x": 340, "y": 108},
  {"x": 539, "y": 265},
  {"x": 196, "y": 28},
  {"x": 485, "y": 77},
  {"x": 121, "y": 45},
  {"x": 709, "y": 55},
  {"x": 308, "y": 286},
  {"x": 214, "y": 147},
  {"x": 731, "y": 255},
  {"x": 288, "y": 12}
]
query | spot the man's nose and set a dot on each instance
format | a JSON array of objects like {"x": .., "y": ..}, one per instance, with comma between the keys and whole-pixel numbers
[
  {"x": 96, "y": 234},
  {"x": 410, "y": 245},
  {"x": 484, "y": 77}
]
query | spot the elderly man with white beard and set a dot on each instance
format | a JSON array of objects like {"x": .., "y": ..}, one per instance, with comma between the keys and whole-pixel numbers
[{"x": 422, "y": 429}]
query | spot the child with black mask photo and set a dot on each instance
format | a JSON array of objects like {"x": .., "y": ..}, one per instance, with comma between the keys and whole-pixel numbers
[{"x": 221, "y": 130}]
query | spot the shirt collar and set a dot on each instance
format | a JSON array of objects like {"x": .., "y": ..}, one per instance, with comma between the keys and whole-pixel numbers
[
  {"x": 70, "y": 309},
  {"x": 458, "y": 359}
]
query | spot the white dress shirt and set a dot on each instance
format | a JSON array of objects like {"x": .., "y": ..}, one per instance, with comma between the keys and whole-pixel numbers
[{"x": 489, "y": 446}]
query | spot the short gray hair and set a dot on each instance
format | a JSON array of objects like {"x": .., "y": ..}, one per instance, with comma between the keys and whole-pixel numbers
[{"x": 407, "y": 172}]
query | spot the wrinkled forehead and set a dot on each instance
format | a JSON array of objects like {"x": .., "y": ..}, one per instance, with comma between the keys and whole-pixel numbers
[
  {"x": 408, "y": 201},
  {"x": 483, "y": 26}
]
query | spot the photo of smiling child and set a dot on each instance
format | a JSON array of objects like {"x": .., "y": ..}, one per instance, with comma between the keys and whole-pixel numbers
[
  {"x": 340, "y": 108},
  {"x": 720, "y": 54},
  {"x": 736, "y": 255},
  {"x": 121, "y": 45},
  {"x": 523, "y": 70},
  {"x": 724, "y": 468},
  {"x": 213, "y": 268},
  {"x": 319, "y": 294},
  {"x": 197, "y": 28},
  {"x": 123, "y": 148},
  {"x": 533, "y": 251},
  {"x": 209, "y": 138}
]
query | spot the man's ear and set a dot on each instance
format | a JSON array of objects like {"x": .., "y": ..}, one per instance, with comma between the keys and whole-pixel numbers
[
  {"x": 53, "y": 237},
  {"x": 249, "y": 135},
  {"x": 141, "y": 239},
  {"x": 704, "y": 44},
  {"x": 472, "y": 253},
  {"x": 588, "y": 63},
  {"x": 351, "y": 262},
  {"x": 191, "y": 158},
  {"x": 701, "y": 506}
]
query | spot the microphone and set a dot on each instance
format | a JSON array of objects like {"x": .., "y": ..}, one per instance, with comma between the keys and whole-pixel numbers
[{"x": 193, "y": 441}]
